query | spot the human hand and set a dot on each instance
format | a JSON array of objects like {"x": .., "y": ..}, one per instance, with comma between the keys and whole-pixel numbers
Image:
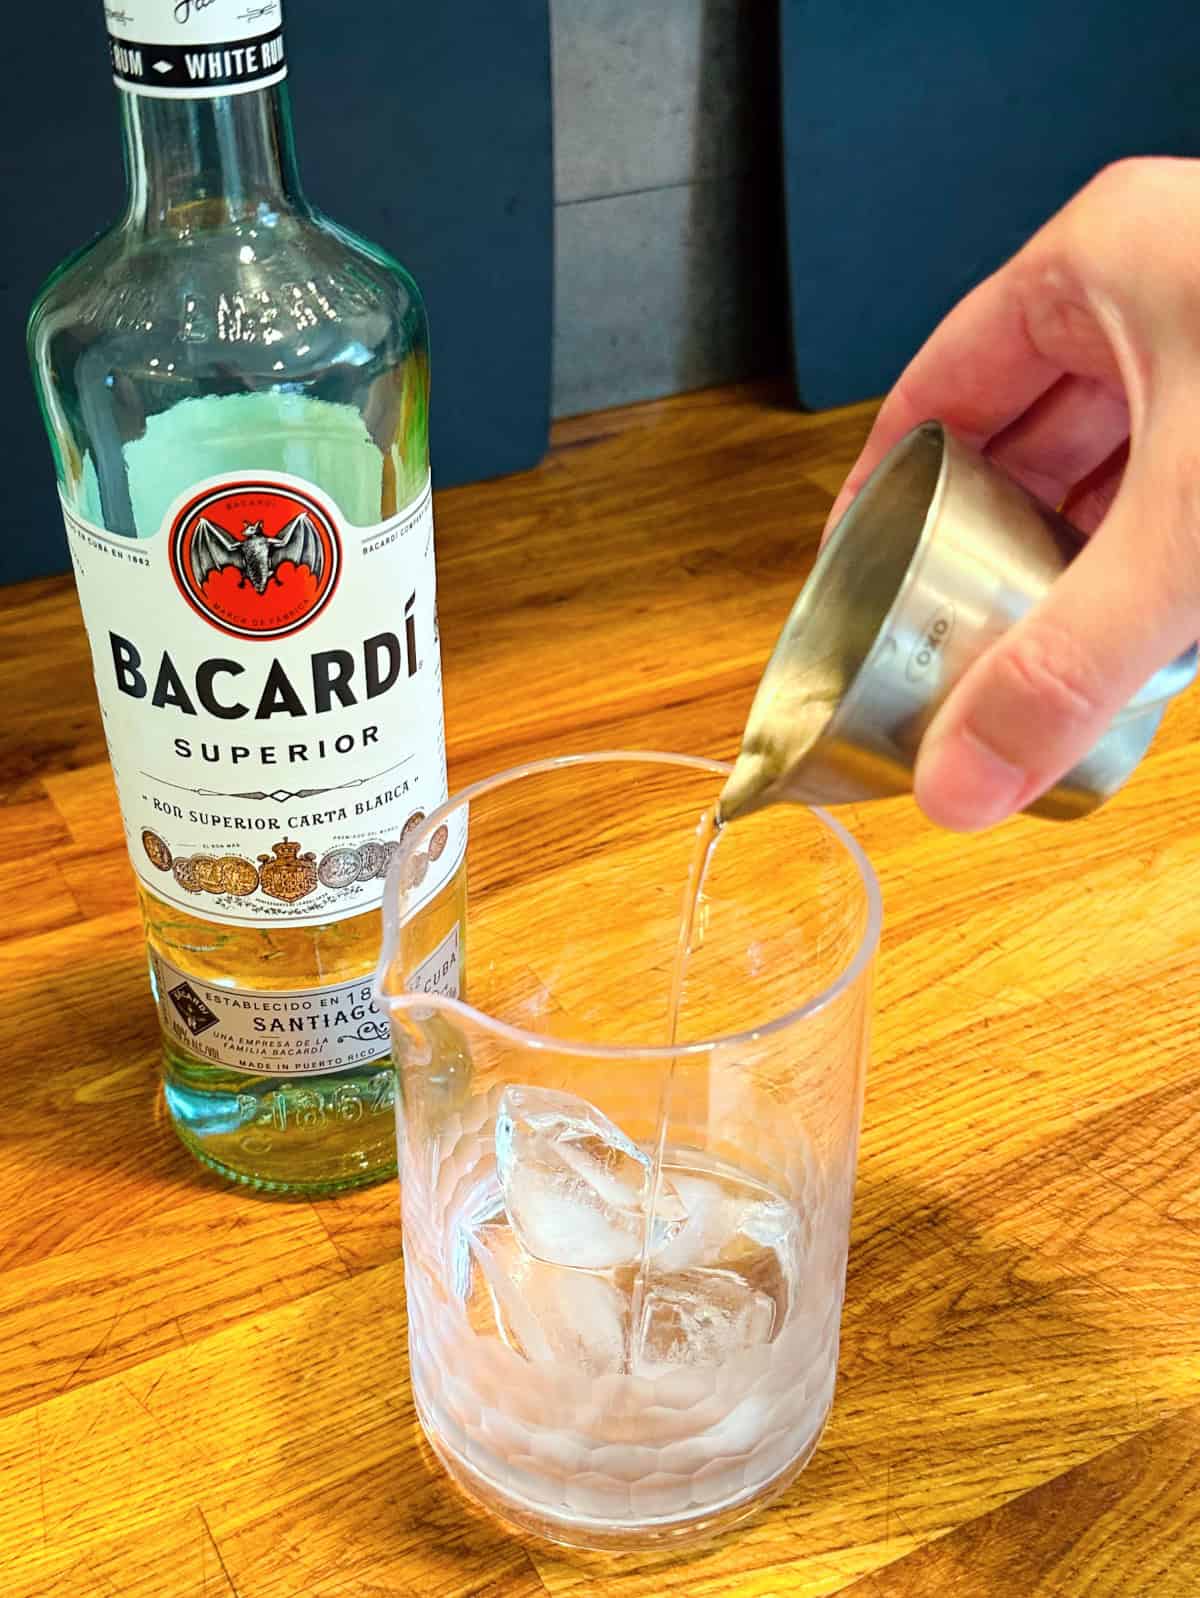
[{"x": 1076, "y": 367}]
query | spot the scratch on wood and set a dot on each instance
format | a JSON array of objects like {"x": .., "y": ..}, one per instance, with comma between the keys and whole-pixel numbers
[
  {"x": 888, "y": 1505},
  {"x": 315, "y": 1210},
  {"x": 145, "y": 1402},
  {"x": 90, "y": 1570},
  {"x": 219, "y": 1554},
  {"x": 142, "y": 1405},
  {"x": 889, "y": 1508},
  {"x": 140, "y": 1402},
  {"x": 91, "y": 1353},
  {"x": 37, "y": 1417}
]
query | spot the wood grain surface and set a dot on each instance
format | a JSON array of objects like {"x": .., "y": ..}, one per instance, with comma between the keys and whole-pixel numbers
[{"x": 203, "y": 1394}]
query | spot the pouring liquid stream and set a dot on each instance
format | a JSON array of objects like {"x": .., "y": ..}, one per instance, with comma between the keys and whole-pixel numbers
[{"x": 708, "y": 835}]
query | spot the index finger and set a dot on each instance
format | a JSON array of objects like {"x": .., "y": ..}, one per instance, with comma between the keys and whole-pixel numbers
[{"x": 977, "y": 372}]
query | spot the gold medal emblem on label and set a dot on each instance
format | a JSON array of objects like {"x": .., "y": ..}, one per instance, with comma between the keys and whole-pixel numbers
[
  {"x": 290, "y": 875},
  {"x": 206, "y": 869},
  {"x": 238, "y": 875},
  {"x": 157, "y": 849}
]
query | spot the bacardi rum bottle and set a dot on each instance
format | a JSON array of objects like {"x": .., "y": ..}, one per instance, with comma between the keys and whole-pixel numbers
[{"x": 236, "y": 392}]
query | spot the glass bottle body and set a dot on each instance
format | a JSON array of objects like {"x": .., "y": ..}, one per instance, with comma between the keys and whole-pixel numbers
[{"x": 224, "y": 327}]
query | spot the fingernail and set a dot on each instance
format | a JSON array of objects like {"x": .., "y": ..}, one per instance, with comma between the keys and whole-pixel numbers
[{"x": 963, "y": 784}]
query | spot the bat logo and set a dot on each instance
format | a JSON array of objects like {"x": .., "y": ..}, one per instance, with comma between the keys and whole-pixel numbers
[
  {"x": 255, "y": 555},
  {"x": 269, "y": 578}
]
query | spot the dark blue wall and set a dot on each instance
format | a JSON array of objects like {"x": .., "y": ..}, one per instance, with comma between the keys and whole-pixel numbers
[
  {"x": 925, "y": 141},
  {"x": 455, "y": 99}
]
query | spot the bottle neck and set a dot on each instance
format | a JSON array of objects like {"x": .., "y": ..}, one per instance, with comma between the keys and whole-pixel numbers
[{"x": 206, "y": 162}]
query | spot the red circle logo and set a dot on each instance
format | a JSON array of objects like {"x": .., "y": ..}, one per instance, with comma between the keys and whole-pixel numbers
[{"x": 257, "y": 560}]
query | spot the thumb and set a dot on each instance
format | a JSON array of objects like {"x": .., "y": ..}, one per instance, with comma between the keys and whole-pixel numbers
[{"x": 1036, "y": 701}]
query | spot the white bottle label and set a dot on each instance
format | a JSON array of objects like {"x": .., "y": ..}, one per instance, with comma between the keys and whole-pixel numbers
[
  {"x": 440, "y": 971},
  {"x": 195, "y": 49},
  {"x": 302, "y": 1032},
  {"x": 270, "y": 682}
]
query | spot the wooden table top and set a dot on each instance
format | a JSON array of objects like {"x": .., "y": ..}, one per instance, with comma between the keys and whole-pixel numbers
[{"x": 204, "y": 1394}]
